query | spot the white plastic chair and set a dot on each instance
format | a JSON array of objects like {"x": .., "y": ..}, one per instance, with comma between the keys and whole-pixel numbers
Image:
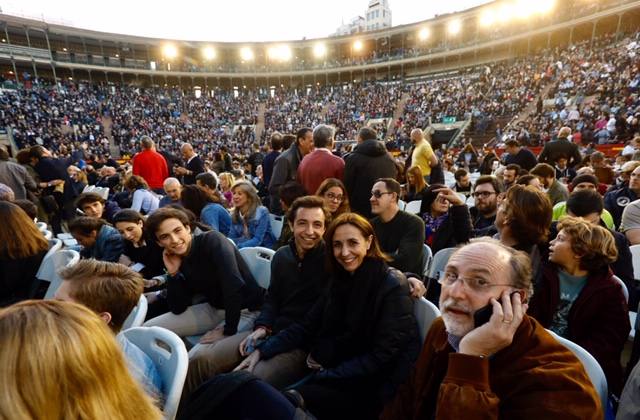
[
  {"x": 425, "y": 313},
  {"x": 42, "y": 226},
  {"x": 427, "y": 257},
  {"x": 276, "y": 224},
  {"x": 402, "y": 204},
  {"x": 635, "y": 254},
  {"x": 55, "y": 245},
  {"x": 50, "y": 266},
  {"x": 439, "y": 262},
  {"x": 48, "y": 235},
  {"x": 259, "y": 261},
  {"x": 470, "y": 201},
  {"x": 413, "y": 206},
  {"x": 625, "y": 291},
  {"x": 170, "y": 357},
  {"x": 137, "y": 315},
  {"x": 101, "y": 191},
  {"x": 591, "y": 366}
]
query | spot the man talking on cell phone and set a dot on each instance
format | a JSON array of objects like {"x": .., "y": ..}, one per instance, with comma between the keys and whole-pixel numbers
[{"x": 502, "y": 365}]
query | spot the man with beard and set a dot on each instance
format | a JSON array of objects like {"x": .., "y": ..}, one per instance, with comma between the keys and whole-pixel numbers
[
  {"x": 556, "y": 191},
  {"x": 485, "y": 194}
]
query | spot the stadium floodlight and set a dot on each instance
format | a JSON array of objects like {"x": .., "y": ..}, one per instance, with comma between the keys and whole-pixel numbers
[
  {"x": 209, "y": 53},
  {"x": 506, "y": 12},
  {"x": 279, "y": 52},
  {"x": 357, "y": 45},
  {"x": 423, "y": 34},
  {"x": 487, "y": 18},
  {"x": 169, "y": 51},
  {"x": 454, "y": 27},
  {"x": 246, "y": 53},
  {"x": 546, "y": 6},
  {"x": 319, "y": 50}
]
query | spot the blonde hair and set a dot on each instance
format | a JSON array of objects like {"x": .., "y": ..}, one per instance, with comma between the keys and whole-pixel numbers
[
  {"x": 228, "y": 178},
  {"x": 60, "y": 361}
]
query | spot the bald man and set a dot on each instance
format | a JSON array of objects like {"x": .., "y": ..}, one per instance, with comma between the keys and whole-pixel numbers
[
  {"x": 423, "y": 155},
  {"x": 172, "y": 189},
  {"x": 194, "y": 165}
]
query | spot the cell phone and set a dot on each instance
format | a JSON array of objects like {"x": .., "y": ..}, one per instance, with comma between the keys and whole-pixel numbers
[{"x": 482, "y": 315}]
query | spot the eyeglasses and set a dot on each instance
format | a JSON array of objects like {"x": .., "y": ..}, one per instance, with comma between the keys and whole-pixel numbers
[
  {"x": 475, "y": 284},
  {"x": 334, "y": 197},
  {"x": 378, "y": 194},
  {"x": 483, "y": 194}
]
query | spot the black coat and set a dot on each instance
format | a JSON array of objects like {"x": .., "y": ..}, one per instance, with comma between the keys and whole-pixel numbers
[
  {"x": 561, "y": 147},
  {"x": 368, "y": 162},
  {"x": 376, "y": 348},
  {"x": 457, "y": 229}
]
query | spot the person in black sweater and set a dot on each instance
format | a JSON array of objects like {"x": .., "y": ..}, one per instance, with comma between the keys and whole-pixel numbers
[
  {"x": 19, "y": 259},
  {"x": 400, "y": 234},
  {"x": 193, "y": 165},
  {"x": 516, "y": 154},
  {"x": 209, "y": 265},
  {"x": 298, "y": 277},
  {"x": 140, "y": 253},
  {"x": 361, "y": 336}
]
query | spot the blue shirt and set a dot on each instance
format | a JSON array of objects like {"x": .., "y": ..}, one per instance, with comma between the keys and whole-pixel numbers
[
  {"x": 142, "y": 368},
  {"x": 259, "y": 230},
  {"x": 216, "y": 216}
]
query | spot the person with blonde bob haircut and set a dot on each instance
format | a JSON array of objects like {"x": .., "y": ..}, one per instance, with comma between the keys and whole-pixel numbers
[
  {"x": 60, "y": 361},
  {"x": 19, "y": 259},
  {"x": 250, "y": 223},
  {"x": 578, "y": 298}
]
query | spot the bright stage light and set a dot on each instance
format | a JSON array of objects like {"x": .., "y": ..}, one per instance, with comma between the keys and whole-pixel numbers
[
  {"x": 170, "y": 51},
  {"x": 423, "y": 34},
  {"x": 357, "y": 45},
  {"x": 545, "y": 6},
  {"x": 246, "y": 53},
  {"x": 209, "y": 53},
  {"x": 279, "y": 52},
  {"x": 506, "y": 12},
  {"x": 454, "y": 27},
  {"x": 487, "y": 18},
  {"x": 319, "y": 50}
]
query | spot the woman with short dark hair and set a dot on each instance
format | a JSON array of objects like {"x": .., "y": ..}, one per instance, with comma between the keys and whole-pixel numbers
[
  {"x": 99, "y": 239},
  {"x": 139, "y": 251},
  {"x": 207, "y": 206}
]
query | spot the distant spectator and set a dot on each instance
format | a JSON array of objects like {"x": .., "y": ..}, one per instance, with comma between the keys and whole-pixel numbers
[
  {"x": 250, "y": 223},
  {"x": 98, "y": 239},
  {"x": 521, "y": 156},
  {"x": 142, "y": 199},
  {"x": 556, "y": 191},
  {"x": 93, "y": 205},
  {"x": 446, "y": 218},
  {"x": 208, "y": 207},
  {"x": 150, "y": 165},
  {"x": 561, "y": 147},
  {"x": 172, "y": 188},
  {"x": 270, "y": 158},
  {"x": 15, "y": 176},
  {"x": 321, "y": 163}
]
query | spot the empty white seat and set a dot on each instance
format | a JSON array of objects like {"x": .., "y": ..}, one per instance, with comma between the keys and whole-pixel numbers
[
  {"x": 413, "y": 207},
  {"x": 259, "y": 261},
  {"x": 425, "y": 313},
  {"x": 137, "y": 315},
  {"x": 276, "y": 224},
  {"x": 50, "y": 266}
]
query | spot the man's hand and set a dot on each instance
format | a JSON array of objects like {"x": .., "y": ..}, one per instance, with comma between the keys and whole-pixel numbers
[
  {"x": 251, "y": 338},
  {"x": 180, "y": 170},
  {"x": 250, "y": 362},
  {"x": 498, "y": 333},
  {"x": 312, "y": 364},
  {"x": 416, "y": 286},
  {"x": 172, "y": 262},
  {"x": 449, "y": 195},
  {"x": 213, "y": 336}
]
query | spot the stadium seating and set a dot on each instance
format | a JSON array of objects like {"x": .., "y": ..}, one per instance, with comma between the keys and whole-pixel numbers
[
  {"x": 137, "y": 315},
  {"x": 425, "y": 312}
]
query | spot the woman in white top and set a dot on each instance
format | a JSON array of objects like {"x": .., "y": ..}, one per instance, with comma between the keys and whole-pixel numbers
[{"x": 142, "y": 198}]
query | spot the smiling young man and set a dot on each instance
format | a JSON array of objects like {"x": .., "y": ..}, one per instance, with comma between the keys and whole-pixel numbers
[
  {"x": 507, "y": 367},
  {"x": 206, "y": 264},
  {"x": 298, "y": 278},
  {"x": 93, "y": 205}
]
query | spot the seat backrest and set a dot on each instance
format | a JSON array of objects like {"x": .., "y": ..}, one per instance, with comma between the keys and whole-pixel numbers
[
  {"x": 137, "y": 315},
  {"x": 591, "y": 366},
  {"x": 427, "y": 257},
  {"x": 55, "y": 245},
  {"x": 259, "y": 261},
  {"x": 402, "y": 204},
  {"x": 413, "y": 207},
  {"x": 48, "y": 235},
  {"x": 170, "y": 356},
  {"x": 425, "y": 313},
  {"x": 625, "y": 291},
  {"x": 439, "y": 261},
  {"x": 42, "y": 226},
  {"x": 635, "y": 254},
  {"x": 50, "y": 266},
  {"x": 276, "y": 224}
]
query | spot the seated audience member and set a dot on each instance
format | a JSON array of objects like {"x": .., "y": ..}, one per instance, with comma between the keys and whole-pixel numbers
[
  {"x": 485, "y": 194},
  {"x": 335, "y": 197},
  {"x": 93, "y": 205},
  {"x": 208, "y": 206},
  {"x": 250, "y": 223},
  {"x": 320, "y": 164},
  {"x": 446, "y": 218},
  {"x": 578, "y": 299},
  {"x": 530, "y": 180},
  {"x": 82, "y": 358},
  {"x": 580, "y": 183},
  {"x": 19, "y": 259},
  {"x": 629, "y": 406},
  {"x": 523, "y": 221},
  {"x": 564, "y": 173},
  {"x": 140, "y": 253},
  {"x": 400, "y": 234},
  {"x": 556, "y": 191},
  {"x": 28, "y": 207},
  {"x": 588, "y": 205},
  {"x": 143, "y": 199},
  {"x": 468, "y": 158},
  {"x": 206, "y": 264},
  {"x": 630, "y": 223},
  {"x": 588, "y": 170},
  {"x": 360, "y": 345},
  {"x": 510, "y": 174},
  {"x": 208, "y": 181},
  {"x": 289, "y": 192},
  {"x": 616, "y": 200},
  {"x": 226, "y": 182},
  {"x": 6, "y": 193},
  {"x": 78, "y": 179},
  {"x": 508, "y": 367},
  {"x": 463, "y": 182},
  {"x": 98, "y": 239},
  {"x": 112, "y": 290},
  {"x": 416, "y": 186},
  {"x": 520, "y": 156},
  {"x": 172, "y": 189},
  {"x": 602, "y": 170},
  {"x": 625, "y": 174},
  {"x": 298, "y": 277}
]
